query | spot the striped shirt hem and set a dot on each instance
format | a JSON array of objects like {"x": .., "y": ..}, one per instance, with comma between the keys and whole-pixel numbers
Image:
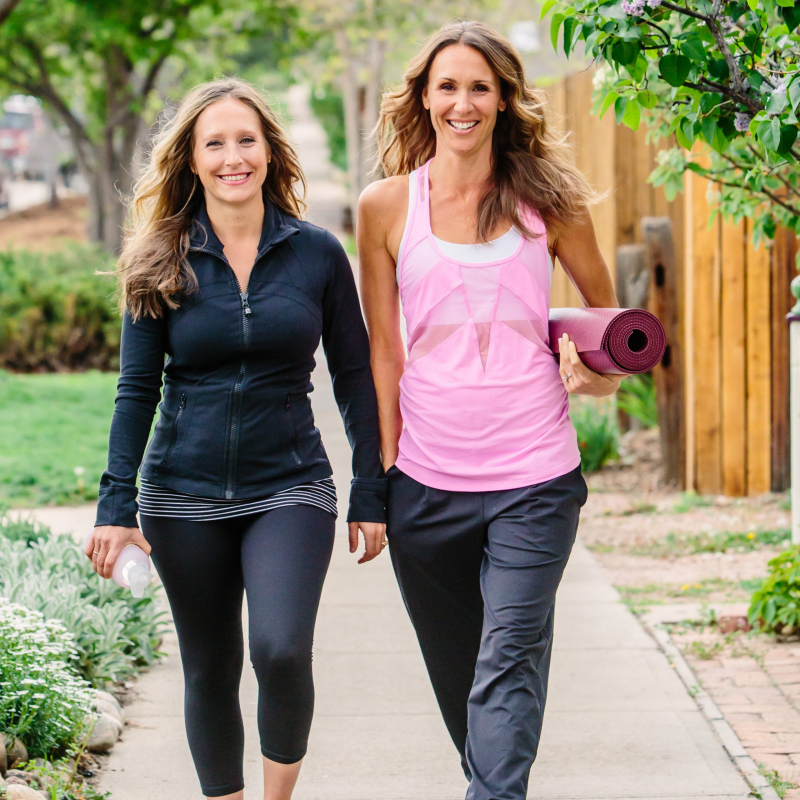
[{"x": 158, "y": 501}]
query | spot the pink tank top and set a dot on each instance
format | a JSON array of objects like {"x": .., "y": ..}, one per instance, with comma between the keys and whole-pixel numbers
[{"x": 482, "y": 401}]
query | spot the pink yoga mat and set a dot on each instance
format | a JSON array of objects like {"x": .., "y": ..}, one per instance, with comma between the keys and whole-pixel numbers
[{"x": 614, "y": 340}]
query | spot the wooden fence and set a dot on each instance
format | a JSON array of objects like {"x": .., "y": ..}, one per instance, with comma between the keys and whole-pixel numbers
[{"x": 730, "y": 340}]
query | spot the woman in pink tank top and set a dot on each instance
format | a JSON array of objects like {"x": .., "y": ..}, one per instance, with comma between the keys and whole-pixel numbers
[{"x": 485, "y": 487}]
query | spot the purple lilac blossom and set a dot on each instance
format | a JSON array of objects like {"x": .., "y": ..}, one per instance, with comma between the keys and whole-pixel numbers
[
  {"x": 742, "y": 122},
  {"x": 633, "y": 7}
]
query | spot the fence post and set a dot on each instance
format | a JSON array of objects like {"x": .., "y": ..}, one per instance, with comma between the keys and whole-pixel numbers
[
  {"x": 794, "y": 390},
  {"x": 664, "y": 302}
]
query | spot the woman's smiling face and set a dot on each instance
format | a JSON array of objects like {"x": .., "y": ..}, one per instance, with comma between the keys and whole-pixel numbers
[
  {"x": 463, "y": 97},
  {"x": 230, "y": 153}
]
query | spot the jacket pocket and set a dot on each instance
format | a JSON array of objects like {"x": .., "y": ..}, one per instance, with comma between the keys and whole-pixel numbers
[
  {"x": 290, "y": 421},
  {"x": 173, "y": 439}
]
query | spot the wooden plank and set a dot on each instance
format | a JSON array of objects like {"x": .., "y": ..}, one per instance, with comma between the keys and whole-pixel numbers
[
  {"x": 759, "y": 372},
  {"x": 664, "y": 302},
  {"x": 782, "y": 272},
  {"x": 733, "y": 357},
  {"x": 687, "y": 329},
  {"x": 706, "y": 332},
  {"x": 626, "y": 187}
]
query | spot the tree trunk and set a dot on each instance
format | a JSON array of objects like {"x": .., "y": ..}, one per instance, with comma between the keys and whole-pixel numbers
[
  {"x": 372, "y": 100},
  {"x": 352, "y": 126}
]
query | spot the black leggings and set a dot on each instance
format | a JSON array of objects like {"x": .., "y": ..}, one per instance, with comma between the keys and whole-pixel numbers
[{"x": 280, "y": 559}]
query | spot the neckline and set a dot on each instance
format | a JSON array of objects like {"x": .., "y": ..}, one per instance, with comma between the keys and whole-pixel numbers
[{"x": 435, "y": 242}]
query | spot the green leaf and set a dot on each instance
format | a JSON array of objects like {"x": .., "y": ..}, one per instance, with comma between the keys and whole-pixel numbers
[
  {"x": 639, "y": 69},
  {"x": 546, "y": 7},
  {"x": 569, "y": 24},
  {"x": 632, "y": 115},
  {"x": 718, "y": 67},
  {"x": 777, "y": 102},
  {"x": 647, "y": 99},
  {"x": 608, "y": 101},
  {"x": 708, "y": 129},
  {"x": 683, "y": 141},
  {"x": 555, "y": 26},
  {"x": 620, "y": 104},
  {"x": 753, "y": 4},
  {"x": 794, "y": 92},
  {"x": 674, "y": 68},
  {"x": 788, "y": 137},
  {"x": 694, "y": 48},
  {"x": 785, "y": 3},
  {"x": 625, "y": 53},
  {"x": 764, "y": 134},
  {"x": 791, "y": 16}
]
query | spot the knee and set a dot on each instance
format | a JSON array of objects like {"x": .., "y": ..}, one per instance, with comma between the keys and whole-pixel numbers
[{"x": 280, "y": 663}]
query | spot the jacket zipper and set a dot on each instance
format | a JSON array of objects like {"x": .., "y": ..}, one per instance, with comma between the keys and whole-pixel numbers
[
  {"x": 233, "y": 433},
  {"x": 292, "y": 429},
  {"x": 174, "y": 437}
]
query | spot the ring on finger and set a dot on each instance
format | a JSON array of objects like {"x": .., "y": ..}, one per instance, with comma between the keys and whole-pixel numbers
[
  {"x": 567, "y": 377},
  {"x": 384, "y": 544}
]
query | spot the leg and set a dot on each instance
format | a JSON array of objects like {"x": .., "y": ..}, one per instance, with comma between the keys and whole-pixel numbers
[
  {"x": 285, "y": 557},
  {"x": 531, "y": 533},
  {"x": 436, "y": 543},
  {"x": 200, "y": 566}
]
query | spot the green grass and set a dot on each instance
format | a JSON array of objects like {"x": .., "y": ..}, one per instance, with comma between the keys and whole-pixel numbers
[
  {"x": 689, "y": 501},
  {"x": 52, "y": 424},
  {"x": 780, "y": 785},
  {"x": 675, "y": 545}
]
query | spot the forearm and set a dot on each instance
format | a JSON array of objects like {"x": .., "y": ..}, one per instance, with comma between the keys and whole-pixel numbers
[{"x": 387, "y": 373}]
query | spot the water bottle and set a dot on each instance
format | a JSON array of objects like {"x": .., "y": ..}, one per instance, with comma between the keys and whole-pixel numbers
[{"x": 132, "y": 569}]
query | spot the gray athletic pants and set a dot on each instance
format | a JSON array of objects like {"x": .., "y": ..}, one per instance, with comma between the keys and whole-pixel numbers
[{"x": 478, "y": 572}]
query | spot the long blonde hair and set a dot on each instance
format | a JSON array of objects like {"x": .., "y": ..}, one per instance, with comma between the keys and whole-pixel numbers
[
  {"x": 153, "y": 267},
  {"x": 530, "y": 165}
]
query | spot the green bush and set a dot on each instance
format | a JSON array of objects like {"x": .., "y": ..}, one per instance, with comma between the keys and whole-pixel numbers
[
  {"x": 114, "y": 633},
  {"x": 56, "y": 313},
  {"x": 636, "y": 396},
  {"x": 23, "y": 529},
  {"x": 328, "y": 108},
  {"x": 42, "y": 700},
  {"x": 775, "y": 606},
  {"x": 59, "y": 780},
  {"x": 598, "y": 434}
]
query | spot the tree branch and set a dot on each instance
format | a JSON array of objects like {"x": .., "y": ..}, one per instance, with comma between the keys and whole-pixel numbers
[
  {"x": 6, "y": 7},
  {"x": 687, "y": 11},
  {"x": 775, "y": 199}
]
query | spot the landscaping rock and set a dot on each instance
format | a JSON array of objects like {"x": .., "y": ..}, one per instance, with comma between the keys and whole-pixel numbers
[
  {"x": 108, "y": 697},
  {"x": 15, "y": 750},
  {"x": 15, "y": 780},
  {"x": 16, "y": 792},
  {"x": 114, "y": 709},
  {"x": 20, "y": 773},
  {"x": 105, "y": 734},
  {"x": 3, "y": 758}
]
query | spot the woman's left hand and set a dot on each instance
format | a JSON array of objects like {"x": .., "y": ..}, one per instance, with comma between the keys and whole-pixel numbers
[
  {"x": 374, "y": 539},
  {"x": 578, "y": 378}
]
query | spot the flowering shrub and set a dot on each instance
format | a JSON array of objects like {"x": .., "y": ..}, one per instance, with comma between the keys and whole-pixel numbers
[
  {"x": 726, "y": 74},
  {"x": 598, "y": 433},
  {"x": 42, "y": 700},
  {"x": 114, "y": 634}
]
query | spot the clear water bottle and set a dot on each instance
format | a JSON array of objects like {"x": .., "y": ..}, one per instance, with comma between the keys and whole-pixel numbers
[{"x": 132, "y": 569}]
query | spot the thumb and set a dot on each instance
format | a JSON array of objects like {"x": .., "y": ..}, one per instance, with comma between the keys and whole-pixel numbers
[{"x": 352, "y": 528}]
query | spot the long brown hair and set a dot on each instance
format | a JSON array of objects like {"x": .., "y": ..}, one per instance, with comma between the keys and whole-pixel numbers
[
  {"x": 530, "y": 165},
  {"x": 153, "y": 267}
]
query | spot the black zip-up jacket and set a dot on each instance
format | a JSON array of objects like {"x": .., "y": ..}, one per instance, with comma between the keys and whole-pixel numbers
[{"x": 235, "y": 420}]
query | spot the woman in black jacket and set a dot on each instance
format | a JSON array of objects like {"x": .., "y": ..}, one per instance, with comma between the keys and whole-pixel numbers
[{"x": 221, "y": 276}]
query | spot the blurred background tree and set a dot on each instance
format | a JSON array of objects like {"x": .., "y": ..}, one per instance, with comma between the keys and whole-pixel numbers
[{"x": 96, "y": 66}]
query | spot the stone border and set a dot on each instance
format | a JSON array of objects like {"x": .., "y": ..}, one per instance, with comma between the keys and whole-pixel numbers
[{"x": 710, "y": 710}]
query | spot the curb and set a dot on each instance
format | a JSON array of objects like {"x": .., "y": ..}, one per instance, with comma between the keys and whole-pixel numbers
[{"x": 730, "y": 741}]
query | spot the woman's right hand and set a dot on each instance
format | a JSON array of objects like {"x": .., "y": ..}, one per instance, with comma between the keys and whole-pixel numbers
[{"x": 107, "y": 542}]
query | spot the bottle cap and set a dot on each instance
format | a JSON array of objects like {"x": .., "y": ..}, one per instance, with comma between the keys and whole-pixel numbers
[{"x": 139, "y": 578}]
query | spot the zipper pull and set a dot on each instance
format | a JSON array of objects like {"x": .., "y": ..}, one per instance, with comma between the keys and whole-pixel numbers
[
  {"x": 183, "y": 401},
  {"x": 246, "y": 305}
]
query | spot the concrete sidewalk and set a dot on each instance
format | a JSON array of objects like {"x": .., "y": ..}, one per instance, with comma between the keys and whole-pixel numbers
[{"x": 619, "y": 723}]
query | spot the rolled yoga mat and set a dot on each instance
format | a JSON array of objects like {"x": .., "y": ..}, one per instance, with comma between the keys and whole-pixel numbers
[{"x": 614, "y": 340}]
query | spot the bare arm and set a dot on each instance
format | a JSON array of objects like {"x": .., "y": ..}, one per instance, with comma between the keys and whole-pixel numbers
[
  {"x": 575, "y": 245},
  {"x": 379, "y": 209}
]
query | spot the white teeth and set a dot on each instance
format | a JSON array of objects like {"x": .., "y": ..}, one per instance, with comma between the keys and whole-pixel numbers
[
  {"x": 462, "y": 126},
  {"x": 232, "y": 178}
]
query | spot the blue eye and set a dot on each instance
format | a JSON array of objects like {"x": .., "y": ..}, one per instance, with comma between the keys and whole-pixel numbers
[
  {"x": 212, "y": 143},
  {"x": 248, "y": 139}
]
